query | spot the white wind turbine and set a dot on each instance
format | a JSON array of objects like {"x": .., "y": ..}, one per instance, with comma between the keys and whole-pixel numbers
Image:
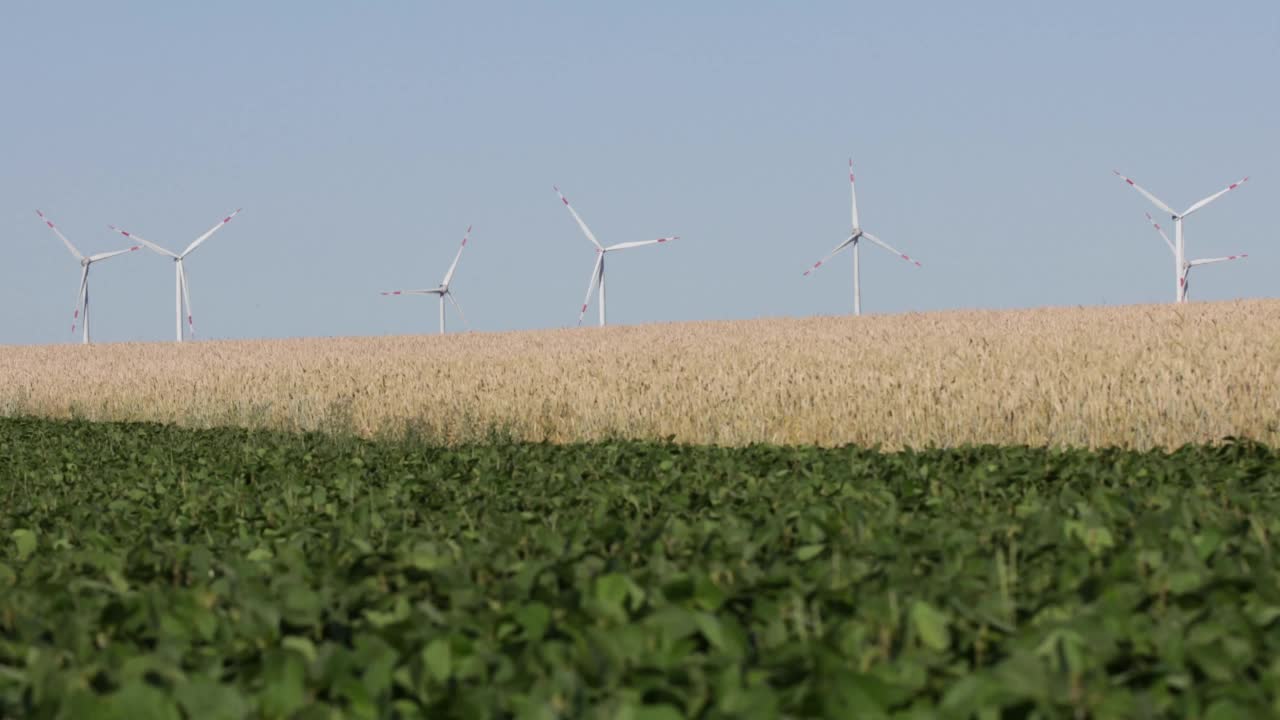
[
  {"x": 443, "y": 288},
  {"x": 1182, "y": 266},
  {"x": 82, "y": 295},
  {"x": 858, "y": 234},
  {"x": 182, "y": 296},
  {"x": 597, "y": 272}
]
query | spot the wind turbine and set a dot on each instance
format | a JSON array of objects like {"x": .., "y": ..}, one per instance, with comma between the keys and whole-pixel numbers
[
  {"x": 1181, "y": 266},
  {"x": 854, "y": 239},
  {"x": 443, "y": 289},
  {"x": 86, "y": 261},
  {"x": 597, "y": 272},
  {"x": 182, "y": 296}
]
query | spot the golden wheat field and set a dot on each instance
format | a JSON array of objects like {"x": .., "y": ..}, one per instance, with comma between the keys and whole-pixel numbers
[{"x": 1140, "y": 376}]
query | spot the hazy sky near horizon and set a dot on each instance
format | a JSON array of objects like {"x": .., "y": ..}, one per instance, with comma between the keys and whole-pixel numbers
[{"x": 362, "y": 138}]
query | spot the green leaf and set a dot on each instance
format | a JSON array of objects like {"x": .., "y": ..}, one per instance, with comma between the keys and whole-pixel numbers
[
  {"x": 1098, "y": 539},
  {"x": 967, "y": 695},
  {"x": 301, "y": 605},
  {"x": 438, "y": 656},
  {"x": 849, "y": 694},
  {"x": 139, "y": 701},
  {"x": 284, "y": 690},
  {"x": 260, "y": 555},
  {"x": 534, "y": 618},
  {"x": 203, "y": 699},
  {"x": 1185, "y": 581},
  {"x": 301, "y": 645},
  {"x": 809, "y": 552},
  {"x": 706, "y": 594},
  {"x": 1227, "y": 709},
  {"x": 931, "y": 625},
  {"x": 1206, "y": 543},
  {"x": 399, "y": 612},
  {"x": 25, "y": 540},
  {"x": 611, "y": 592},
  {"x": 711, "y": 629},
  {"x": 428, "y": 557}
]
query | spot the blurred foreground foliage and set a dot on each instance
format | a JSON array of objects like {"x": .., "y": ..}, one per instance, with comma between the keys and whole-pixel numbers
[{"x": 155, "y": 572}]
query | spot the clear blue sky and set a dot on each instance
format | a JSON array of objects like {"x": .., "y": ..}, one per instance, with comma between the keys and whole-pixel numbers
[{"x": 362, "y": 138}]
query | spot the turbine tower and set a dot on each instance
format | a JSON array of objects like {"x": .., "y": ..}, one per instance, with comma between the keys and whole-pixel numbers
[
  {"x": 854, "y": 239},
  {"x": 1181, "y": 266},
  {"x": 182, "y": 296},
  {"x": 81, "y": 313},
  {"x": 597, "y": 272},
  {"x": 443, "y": 288}
]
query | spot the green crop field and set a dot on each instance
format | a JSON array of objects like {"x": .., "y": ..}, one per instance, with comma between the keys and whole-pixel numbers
[{"x": 156, "y": 572}]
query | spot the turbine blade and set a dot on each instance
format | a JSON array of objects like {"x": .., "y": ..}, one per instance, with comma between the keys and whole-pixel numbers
[
  {"x": 154, "y": 247},
  {"x": 433, "y": 291},
  {"x": 105, "y": 255},
  {"x": 1210, "y": 261},
  {"x": 641, "y": 243},
  {"x": 1158, "y": 202},
  {"x": 1214, "y": 196},
  {"x": 458, "y": 307},
  {"x": 852, "y": 239},
  {"x": 886, "y": 246},
  {"x": 853, "y": 193},
  {"x": 1160, "y": 230},
  {"x": 80, "y": 294},
  {"x": 586, "y": 230},
  {"x": 591, "y": 283},
  {"x": 198, "y": 241},
  {"x": 74, "y": 252},
  {"x": 186, "y": 297},
  {"x": 448, "y": 277}
]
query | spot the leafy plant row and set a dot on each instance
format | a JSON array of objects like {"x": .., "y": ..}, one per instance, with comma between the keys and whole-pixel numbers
[{"x": 154, "y": 572}]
